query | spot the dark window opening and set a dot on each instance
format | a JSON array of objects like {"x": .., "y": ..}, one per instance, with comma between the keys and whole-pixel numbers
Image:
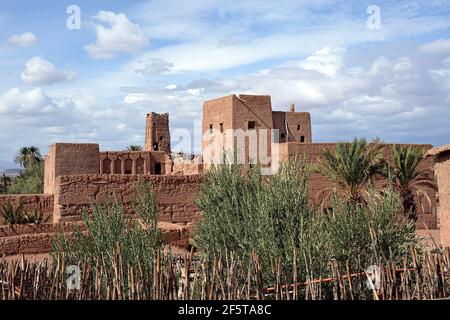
[
  {"x": 282, "y": 136},
  {"x": 221, "y": 127},
  {"x": 302, "y": 139},
  {"x": 160, "y": 138},
  {"x": 157, "y": 168},
  {"x": 210, "y": 128},
  {"x": 251, "y": 125},
  {"x": 155, "y": 146},
  {"x": 298, "y": 127},
  {"x": 128, "y": 166}
]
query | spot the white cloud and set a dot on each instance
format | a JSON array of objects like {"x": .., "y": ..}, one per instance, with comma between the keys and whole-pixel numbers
[
  {"x": 438, "y": 47},
  {"x": 27, "y": 39},
  {"x": 115, "y": 34},
  {"x": 40, "y": 72},
  {"x": 136, "y": 98},
  {"x": 153, "y": 66},
  {"x": 326, "y": 60},
  {"x": 17, "y": 101}
]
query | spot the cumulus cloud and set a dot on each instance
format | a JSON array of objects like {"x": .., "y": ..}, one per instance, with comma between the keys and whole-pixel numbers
[
  {"x": 115, "y": 34},
  {"x": 154, "y": 66},
  {"x": 27, "y": 39},
  {"x": 39, "y": 71},
  {"x": 16, "y": 101}
]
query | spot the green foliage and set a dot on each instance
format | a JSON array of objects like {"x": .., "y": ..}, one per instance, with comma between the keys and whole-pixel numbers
[
  {"x": 363, "y": 234},
  {"x": 5, "y": 182},
  {"x": 30, "y": 181},
  {"x": 407, "y": 178},
  {"x": 134, "y": 147},
  {"x": 246, "y": 212},
  {"x": 28, "y": 156},
  {"x": 350, "y": 167},
  {"x": 19, "y": 215},
  {"x": 110, "y": 232}
]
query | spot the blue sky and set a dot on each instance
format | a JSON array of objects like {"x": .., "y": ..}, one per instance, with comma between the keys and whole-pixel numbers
[{"x": 96, "y": 83}]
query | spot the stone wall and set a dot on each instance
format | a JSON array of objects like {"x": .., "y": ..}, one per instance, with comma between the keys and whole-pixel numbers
[
  {"x": 31, "y": 202},
  {"x": 174, "y": 195}
]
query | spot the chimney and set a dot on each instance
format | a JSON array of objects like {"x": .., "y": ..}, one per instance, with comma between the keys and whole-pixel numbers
[{"x": 292, "y": 108}]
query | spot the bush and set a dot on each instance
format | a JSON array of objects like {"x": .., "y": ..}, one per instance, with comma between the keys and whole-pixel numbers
[
  {"x": 19, "y": 215},
  {"x": 109, "y": 233},
  {"x": 30, "y": 181},
  {"x": 271, "y": 216},
  {"x": 247, "y": 212},
  {"x": 371, "y": 233}
]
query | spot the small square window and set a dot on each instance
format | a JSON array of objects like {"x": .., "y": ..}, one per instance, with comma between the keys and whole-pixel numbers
[
  {"x": 160, "y": 138},
  {"x": 221, "y": 127},
  {"x": 282, "y": 136},
  {"x": 298, "y": 127},
  {"x": 251, "y": 125},
  {"x": 302, "y": 139}
]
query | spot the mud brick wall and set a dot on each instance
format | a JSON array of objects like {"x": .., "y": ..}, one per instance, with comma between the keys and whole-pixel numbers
[
  {"x": 36, "y": 239},
  {"x": 442, "y": 156},
  {"x": 157, "y": 134},
  {"x": 31, "y": 202},
  {"x": 174, "y": 195},
  {"x": 69, "y": 158},
  {"x": 134, "y": 162},
  {"x": 317, "y": 183}
]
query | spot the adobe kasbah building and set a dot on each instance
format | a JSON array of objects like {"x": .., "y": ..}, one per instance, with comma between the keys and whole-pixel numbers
[{"x": 77, "y": 174}]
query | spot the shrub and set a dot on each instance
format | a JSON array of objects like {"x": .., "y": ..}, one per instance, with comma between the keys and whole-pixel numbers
[
  {"x": 19, "y": 215},
  {"x": 367, "y": 234},
  {"x": 108, "y": 231},
  {"x": 245, "y": 212},
  {"x": 271, "y": 216},
  {"x": 30, "y": 181}
]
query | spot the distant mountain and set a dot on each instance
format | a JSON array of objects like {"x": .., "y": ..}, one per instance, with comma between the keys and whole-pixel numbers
[{"x": 11, "y": 172}]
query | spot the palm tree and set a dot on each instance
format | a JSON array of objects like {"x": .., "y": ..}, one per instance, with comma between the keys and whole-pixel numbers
[
  {"x": 134, "y": 147},
  {"x": 27, "y": 156},
  {"x": 406, "y": 177},
  {"x": 350, "y": 168}
]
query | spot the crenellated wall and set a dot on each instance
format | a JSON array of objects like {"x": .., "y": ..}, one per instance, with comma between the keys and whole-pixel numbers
[{"x": 135, "y": 162}]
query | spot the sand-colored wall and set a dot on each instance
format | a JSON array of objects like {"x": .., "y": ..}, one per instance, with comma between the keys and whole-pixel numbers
[
  {"x": 298, "y": 125},
  {"x": 134, "y": 162},
  {"x": 443, "y": 178},
  {"x": 69, "y": 158},
  {"x": 174, "y": 194},
  {"x": 36, "y": 239},
  {"x": 157, "y": 134}
]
